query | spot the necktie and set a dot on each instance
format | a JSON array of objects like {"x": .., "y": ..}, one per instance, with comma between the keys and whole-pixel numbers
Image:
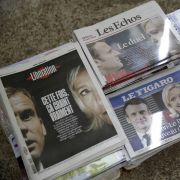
[{"x": 147, "y": 138}]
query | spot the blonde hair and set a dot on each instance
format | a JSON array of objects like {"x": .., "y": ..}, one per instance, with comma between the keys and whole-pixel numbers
[
  {"x": 96, "y": 121},
  {"x": 165, "y": 98},
  {"x": 157, "y": 22}
]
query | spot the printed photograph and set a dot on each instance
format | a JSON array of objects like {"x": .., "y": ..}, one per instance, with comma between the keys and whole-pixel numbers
[
  {"x": 58, "y": 110},
  {"x": 149, "y": 113},
  {"x": 135, "y": 50}
]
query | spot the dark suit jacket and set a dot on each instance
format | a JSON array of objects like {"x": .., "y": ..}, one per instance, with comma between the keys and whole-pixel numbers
[{"x": 136, "y": 143}]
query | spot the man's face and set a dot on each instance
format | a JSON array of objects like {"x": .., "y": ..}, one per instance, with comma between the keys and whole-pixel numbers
[
  {"x": 88, "y": 95},
  {"x": 107, "y": 59},
  {"x": 154, "y": 33},
  {"x": 30, "y": 124},
  {"x": 174, "y": 99},
  {"x": 139, "y": 116}
]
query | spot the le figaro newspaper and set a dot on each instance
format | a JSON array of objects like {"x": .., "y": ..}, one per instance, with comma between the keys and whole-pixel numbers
[
  {"x": 129, "y": 44},
  {"x": 59, "y": 114},
  {"x": 149, "y": 112}
]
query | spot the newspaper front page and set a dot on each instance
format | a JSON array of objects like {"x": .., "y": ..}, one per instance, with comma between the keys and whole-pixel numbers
[
  {"x": 58, "y": 112},
  {"x": 126, "y": 45},
  {"x": 149, "y": 112}
]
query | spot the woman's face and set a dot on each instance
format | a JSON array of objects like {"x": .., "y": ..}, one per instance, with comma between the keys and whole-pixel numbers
[
  {"x": 154, "y": 33},
  {"x": 174, "y": 99},
  {"x": 89, "y": 96}
]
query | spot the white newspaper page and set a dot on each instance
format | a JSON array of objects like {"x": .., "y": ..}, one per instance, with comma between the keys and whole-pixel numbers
[
  {"x": 6, "y": 125},
  {"x": 149, "y": 112},
  {"x": 126, "y": 45},
  {"x": 58, "y": 112},
  {"x": 100, "y": 166},
  {"x": 174, "y": 17}
]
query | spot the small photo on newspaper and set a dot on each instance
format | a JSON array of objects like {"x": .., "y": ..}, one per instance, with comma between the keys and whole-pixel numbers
[
  {"x": 59, "y": 112},
  {"x": 149, "y": 112},
  {"x": 126, "y": 45}
]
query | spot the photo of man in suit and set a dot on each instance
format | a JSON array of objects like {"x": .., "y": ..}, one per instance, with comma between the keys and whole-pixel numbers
[
  {"x": 108, "y": 61},
  {"x": 29, "y": 121},
  {"x": 138, "y": 114},
  {"x": 106, "y": 58}
]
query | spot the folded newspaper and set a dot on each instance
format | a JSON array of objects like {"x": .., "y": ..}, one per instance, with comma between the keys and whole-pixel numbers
[
  {"x": 174, "y": 17},
  {"x": 53, "y": 107},
  {"x": 58, "y": 112},
  {"x": 149, "y": 112},
  {"x": 129, "y": 44},
  {"x": 99, "y": 168}
]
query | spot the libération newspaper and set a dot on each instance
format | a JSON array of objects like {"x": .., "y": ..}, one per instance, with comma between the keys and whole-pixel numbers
[{"x": 58, "y": 112}]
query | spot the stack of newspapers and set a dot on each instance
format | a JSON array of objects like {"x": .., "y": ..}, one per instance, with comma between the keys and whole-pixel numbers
[{"x": 110, "y": 99}]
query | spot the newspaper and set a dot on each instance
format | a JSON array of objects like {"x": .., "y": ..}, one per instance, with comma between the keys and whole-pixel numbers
[
  {"x": 4, "y": 122},
  {"x": 8, "y": 131},
  {"x": 149, "y": 112},
  {"x": 174, "y": 17},
  {"x": 129, "y": 44},
  {"x": 171, "y": 62},
  {"x": 98, "y": 167},
  {"x": 59, "y": 114}
]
